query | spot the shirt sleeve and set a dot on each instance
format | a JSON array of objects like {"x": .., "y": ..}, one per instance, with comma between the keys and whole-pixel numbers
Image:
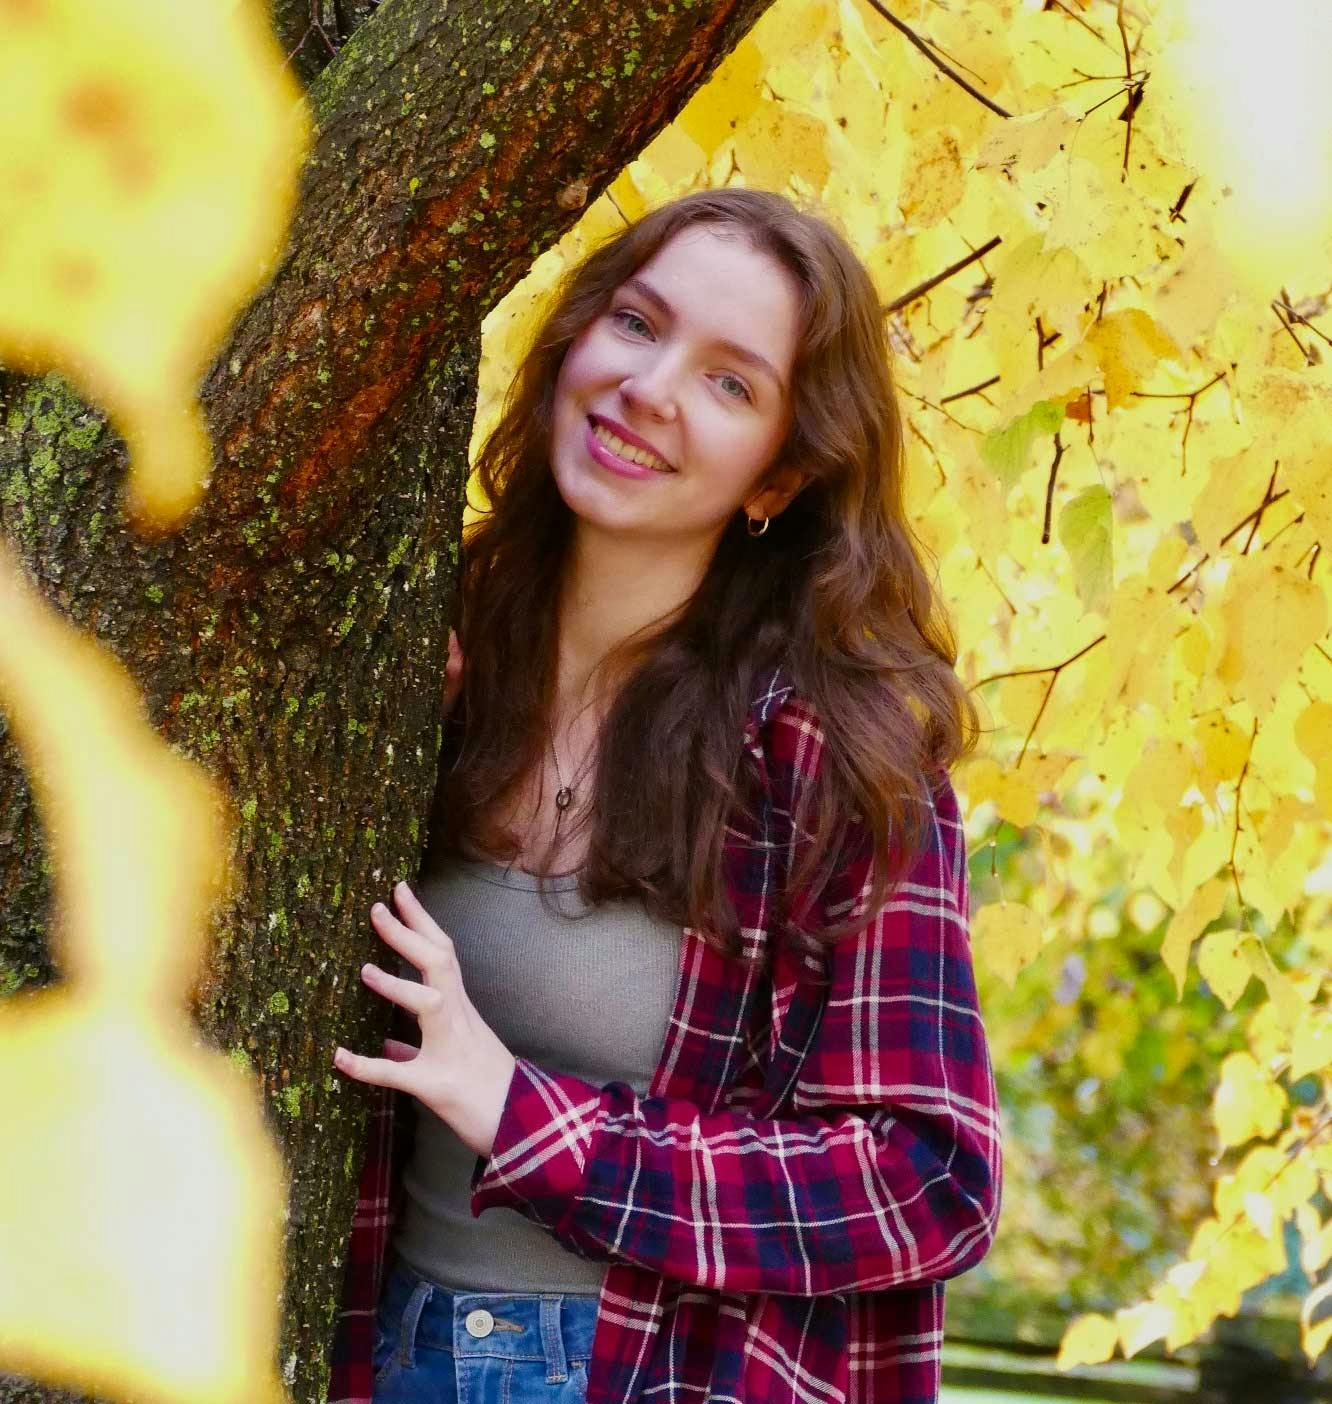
[{"x": 887, "y": 1172}]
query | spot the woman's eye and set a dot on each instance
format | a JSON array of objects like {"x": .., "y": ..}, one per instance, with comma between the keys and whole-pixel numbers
[
  {"x": 625, "y": 312},
  {"x": 626, "y": 315}
]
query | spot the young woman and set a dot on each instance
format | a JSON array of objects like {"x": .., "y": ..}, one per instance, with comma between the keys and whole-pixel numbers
[{"x": 703, "y": 1106}]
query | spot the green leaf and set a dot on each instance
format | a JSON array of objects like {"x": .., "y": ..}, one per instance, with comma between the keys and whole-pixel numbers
[
  {"x": 1008, "y": 451},
  {"x": 1086, "y": 530}
]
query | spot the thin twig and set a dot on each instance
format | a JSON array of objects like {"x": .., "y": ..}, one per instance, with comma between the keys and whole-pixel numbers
[
  {"x": 936, "y": 60},
  {"x": 972, "y": 390},
  {"x": 922, "y": 288}
]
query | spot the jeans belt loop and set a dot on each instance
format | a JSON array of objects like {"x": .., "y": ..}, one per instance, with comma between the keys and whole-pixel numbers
[
  {"x": 552, "y": 1340},
  {"x": 411, "y": 1316}
]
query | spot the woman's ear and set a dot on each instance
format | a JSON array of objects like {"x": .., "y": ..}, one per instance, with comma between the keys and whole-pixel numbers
[{"x": 779, "y": 492}]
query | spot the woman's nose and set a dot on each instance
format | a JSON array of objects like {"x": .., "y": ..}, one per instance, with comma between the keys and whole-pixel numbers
[{"x": 652, "y": 388}]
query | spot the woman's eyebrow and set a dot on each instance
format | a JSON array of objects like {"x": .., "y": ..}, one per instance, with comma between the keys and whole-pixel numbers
[{"x": 741, "y": 353}]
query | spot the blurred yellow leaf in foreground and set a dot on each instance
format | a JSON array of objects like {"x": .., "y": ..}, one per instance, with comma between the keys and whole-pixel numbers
[
  {"x": 147, "y": 176},
  {"x": 140, "y": 1195}
]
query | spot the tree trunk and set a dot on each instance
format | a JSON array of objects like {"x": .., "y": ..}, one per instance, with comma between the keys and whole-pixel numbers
[{"x": 291, "y": 634}]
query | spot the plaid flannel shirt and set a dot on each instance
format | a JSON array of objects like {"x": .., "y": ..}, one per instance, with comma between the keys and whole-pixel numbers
[{"x": 818, "y": 1151}]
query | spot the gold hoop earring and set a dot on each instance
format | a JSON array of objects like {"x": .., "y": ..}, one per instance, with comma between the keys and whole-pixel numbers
[{"x": 749, "y": 525}]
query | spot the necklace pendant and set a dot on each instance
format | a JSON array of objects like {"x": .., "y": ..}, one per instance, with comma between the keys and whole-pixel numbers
[{"x": 563, "y": 798}]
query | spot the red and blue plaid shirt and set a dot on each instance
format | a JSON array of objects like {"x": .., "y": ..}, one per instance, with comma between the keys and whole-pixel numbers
[{"x": 818, "y": 1151}]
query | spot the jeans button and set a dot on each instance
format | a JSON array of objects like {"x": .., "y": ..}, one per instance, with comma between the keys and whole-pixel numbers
[{"x": 480, "y": 1322}]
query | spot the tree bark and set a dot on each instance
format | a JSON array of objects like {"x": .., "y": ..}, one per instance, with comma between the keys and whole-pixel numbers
[{"x": 291, "y": 634}]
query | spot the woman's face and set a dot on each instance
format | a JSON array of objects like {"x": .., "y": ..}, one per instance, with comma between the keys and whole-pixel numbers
[{"x": 691, "y": 358}]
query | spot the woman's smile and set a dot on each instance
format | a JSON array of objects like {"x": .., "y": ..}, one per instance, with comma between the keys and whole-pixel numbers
[{"x": 609, "y": 450}]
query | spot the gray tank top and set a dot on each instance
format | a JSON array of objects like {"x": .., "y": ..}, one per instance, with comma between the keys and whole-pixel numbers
[{"x": 587, "y": 992}]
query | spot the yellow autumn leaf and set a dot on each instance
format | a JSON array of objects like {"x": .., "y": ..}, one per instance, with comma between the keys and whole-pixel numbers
[
  {"x": 1225, "y": 748},
  {"x": 1238, "y": 476},
  {"x": 710, "y": 117},
  {"x": 1008, "y": 936},
  {"x": 1017, "y": 794},
  {"x": 1289, "y": 1006},
  {"x": 1189, "y": 302},
  {"x": 1184, "y": 1277},
  {"x": 1028, "y": 140},
  {"x": 1247, "y": 1101},
  {"x": 1311, "y": 1043},
  {"x": 1260, "y": 1213},
  {"x": 1203, "y": 907},
  {"x": 1309, "y": 476},
  {"x": 1191, "y": 649},
  {"x": 788, "y": 28},
  {"x": 1270, "y": 1173},
  {"x": 1139, "y": 625},
  {"x": 1313, "y": 735},
  {"x": 1315, "y": 1242},
  {"x": 851, "y": 105},
  {"x": 1128, "y": 346},
  {"x": 673, "y": 158},
  {"x": 1183, "y": 1294},
  {"x": 1316, "y": 1321},
  {"x": 1165, "y": 770},
  {"x": 144, "y": 195},
  {"x": 1030, "y": 280},
  {"x": 628, "y": 199},
  {"x": 1018, "y": 701},
  {"x": 1088, "y": 1340},
  {"x": 1223, "y": 965},
  {"x": 791, "y": 82},
  {"x": 774, "y": 138},
  {"x": 853, "y": 17},
  {"x": 1271, "y": 616},
  {"x": 1242, "y": 1259},
  {"x": 932, "y": 184},
  {"x": 1140, "y": 1325},
  {"x": 1016, "y": 798},
  {"x": 980, "y": 774}
]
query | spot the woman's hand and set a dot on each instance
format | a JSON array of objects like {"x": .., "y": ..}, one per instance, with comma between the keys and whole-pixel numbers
[
  {"x": 453, "y": 669},
  {"x": 462, "y": 1071}
]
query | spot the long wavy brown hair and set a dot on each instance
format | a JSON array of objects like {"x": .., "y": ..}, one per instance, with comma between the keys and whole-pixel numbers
[{"x": 835, "y": 591}]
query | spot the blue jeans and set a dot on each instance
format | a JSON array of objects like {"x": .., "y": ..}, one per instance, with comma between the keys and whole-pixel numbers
[{"x": 434, "y": 1346}]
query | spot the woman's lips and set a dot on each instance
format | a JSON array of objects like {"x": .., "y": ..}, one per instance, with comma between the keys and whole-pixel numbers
[{"x": 622, "y": 466}]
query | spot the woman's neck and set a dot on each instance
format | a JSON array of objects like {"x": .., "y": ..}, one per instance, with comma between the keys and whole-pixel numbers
[{"x": 612, "y": 588}]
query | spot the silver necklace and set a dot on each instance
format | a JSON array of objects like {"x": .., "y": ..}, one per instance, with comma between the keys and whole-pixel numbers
[{"x": 564, "y": 795}]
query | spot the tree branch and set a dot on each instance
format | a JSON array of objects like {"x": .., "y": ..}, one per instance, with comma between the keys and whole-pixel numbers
[{"x": 445, "y": 136}]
